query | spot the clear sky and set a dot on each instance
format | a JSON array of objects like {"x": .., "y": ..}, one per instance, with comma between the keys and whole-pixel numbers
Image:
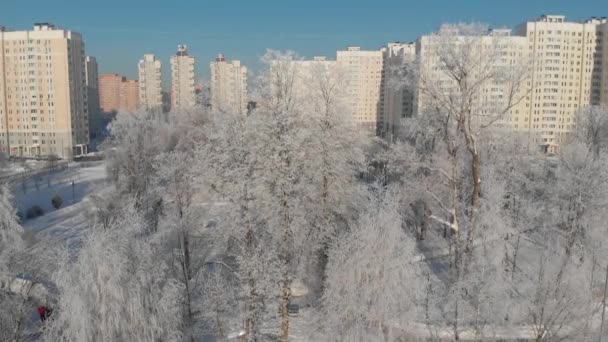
[{"x": 119, "y": 32}]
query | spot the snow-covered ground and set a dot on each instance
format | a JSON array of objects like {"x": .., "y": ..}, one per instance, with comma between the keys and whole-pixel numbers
[{"x": 68, "y": 222}]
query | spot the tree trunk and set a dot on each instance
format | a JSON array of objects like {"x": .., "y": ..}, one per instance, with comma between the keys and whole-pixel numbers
[
  {"x": 285, "y": 258},
  {"x": 186, "y": 276},
  {"x": 476, "y": 174}
]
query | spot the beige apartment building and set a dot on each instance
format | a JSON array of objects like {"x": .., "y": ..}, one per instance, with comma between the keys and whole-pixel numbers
[
  {"x": 228, "y": 85},
  {"x": 117, "y": 94},
  {"x": 397, "y": 100},
  {"x": 43, "y": 93},
  {"x": 566, "y": 73},
  {"x": 150, "y": 91},
  {"x": 182, "y": 79},
  {"x": 364, "y": 70}
]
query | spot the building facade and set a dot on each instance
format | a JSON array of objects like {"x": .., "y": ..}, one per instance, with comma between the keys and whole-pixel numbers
[
  {"x": 117, "y": 94},
  {"x": 566, "y": 73},
  {"x": 498, "y": 52},
  {"x": 182, "y": 79},
  {"x": 364, "y": 75},
  {"x": 228, "y": 85},
  {"x": 397, "y": 100},
  {"x": 603, "y": 67},
  {"x": 150, "y": 90},
  {"x": 43, "y": 92},
  {"x": 93, "y": 95}
]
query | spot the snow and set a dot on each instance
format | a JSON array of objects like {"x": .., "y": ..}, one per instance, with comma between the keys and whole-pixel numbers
[{"x": 68, "y": 222}]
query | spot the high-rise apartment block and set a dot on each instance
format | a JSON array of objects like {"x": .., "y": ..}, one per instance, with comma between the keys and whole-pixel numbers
[
  {"x": 150, "y": 96},
  {"x": 43, "y": 93},
  {"x": 496, "y": 51},
  {"x": 566, "y": 73},
  {"x": 182, "y": 79},
  {"x": 364, "y": 78},
  {"x": 567, "y": 69},
  {"x": 117, "y": 94},
  {"x": 228, "y": 85},
  {"x": 92, "y": 94},
  {"x": 397, "y": 100}
]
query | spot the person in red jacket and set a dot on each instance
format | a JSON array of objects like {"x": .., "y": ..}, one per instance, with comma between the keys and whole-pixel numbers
[{"x": 42, "y": 313}]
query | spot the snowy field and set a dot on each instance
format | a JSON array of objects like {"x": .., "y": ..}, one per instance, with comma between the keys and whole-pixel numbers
[{"x": 67, "y": 222}]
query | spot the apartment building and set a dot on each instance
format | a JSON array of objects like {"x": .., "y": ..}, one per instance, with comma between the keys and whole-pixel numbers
[
  {"x": 603, "y": 69},
  {"x": 182, "y": 79},
  {"x": 566, "y": 73},
  {"x": 92, "y": 81},
  {"x": 496, "y": 52},
  {"x": 228, "y": 85},
  {"x": 364, "y": 70},
  {"x": 43, "y": 92},
  {"x": 150, "y": 90},
  {"x": 397, "y": 100},
  {"x": 117, "y": 94}
]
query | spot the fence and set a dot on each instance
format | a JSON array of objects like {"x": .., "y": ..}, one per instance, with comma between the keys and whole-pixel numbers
[{"x": 15, "y": 178}]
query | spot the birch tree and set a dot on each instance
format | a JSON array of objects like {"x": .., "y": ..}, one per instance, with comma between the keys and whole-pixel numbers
[
  {"x": 116, "y": 288},
  {"x": 454, "y": 121},
  {"x": 372, "y": 276},
  {"x": 229, "y": 167}
]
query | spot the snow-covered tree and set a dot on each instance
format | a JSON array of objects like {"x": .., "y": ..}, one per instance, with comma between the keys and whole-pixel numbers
[
  {"x": 14, "y": 308},
  {"x": 116, "y": 288},
  {"x": 333, "y": 153},
  {"x": 372, "y": 276}
]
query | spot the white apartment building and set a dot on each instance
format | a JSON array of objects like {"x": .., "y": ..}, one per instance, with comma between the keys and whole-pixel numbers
[
  {"x": 308, "y": 74},
  {"x": 228, "y": 85},
  {"x": 566, "y": 72},
  {"x": 495, "y": 50},
  {"x": 397, "y": 100},
  {"x": 43, "y": 92},
  {"x": 150, "y": 90},
  {"x": 364, "y": 75},
  {"x": 182, "y": 79}
]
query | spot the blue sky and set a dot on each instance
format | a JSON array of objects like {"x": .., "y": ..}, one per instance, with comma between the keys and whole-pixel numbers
[{"x": 119, "y": 32}]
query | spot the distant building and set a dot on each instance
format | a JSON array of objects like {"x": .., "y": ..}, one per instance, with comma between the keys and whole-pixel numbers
[
  {"x": 505, "y": 50},
  {"x": 568, "y": 70},
  {"x": 117, "y": 94},
  {"x": 43, "y": 92},
  {"x": 93, "y": 95},
  {"x": 567, "y": 73},
  {"x": 150, "y": 96},
  {"x": 397, "y": 101},
  {"x": 228, "y": 85},
  {"x": 364, "y": 75},
  {"x": 182, "y": 79},
  {"x": 129, "y": 96},
  {"x": 202, "y": 93}
]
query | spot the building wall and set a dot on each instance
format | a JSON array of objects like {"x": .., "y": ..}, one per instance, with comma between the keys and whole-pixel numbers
[
  {"x": 603, "y": 37},
  {"x": 129, "y": 96},
  {"x": 564, "y": 57},
  {"x": 182, "y": 80},
  {"x": 109, "y": 92},
  {"x": 364, "y": 73},
  {"x": 92, "y": 81},
  {"x": 228, "y": 85},
  {"x": 117, "y": 94},
  {"x": 150, "y": 96},
  {"x": 43, "y": 93},
  {"x": 397, "y": 101}
]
